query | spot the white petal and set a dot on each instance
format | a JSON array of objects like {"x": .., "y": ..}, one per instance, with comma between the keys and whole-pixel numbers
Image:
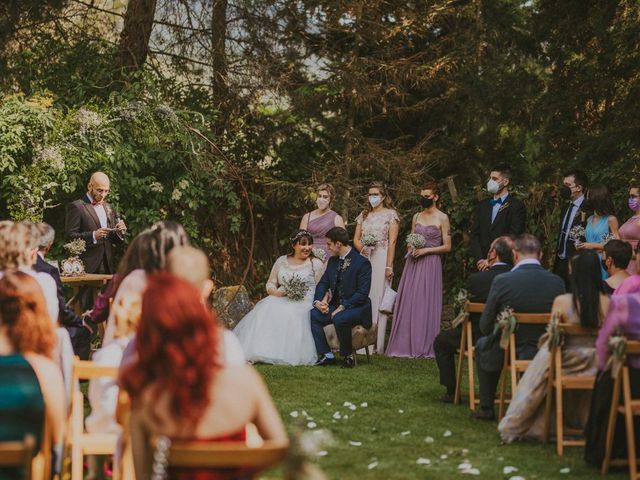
[
  {"x": 471, "y": 471},
  {"x": 355, "y": 444},
  {"x": 337, "y": 416},
  {"x": 294, "y": 414},
  {"x": 447, "y": 433},
  {"x": 305, "y": 414},
  {"x": 345, "y": 417},
  {"x": 565, "y": 470},
  {"x": 364, "y": 404},
  {"x": 352, "y": 407},
  {"x": 428, "y": 439},
  {"x": 311, "y": 425},
  {"x": 400, "y": 411},
  {"x": 509, "y": 469},
  {"x": 328, "y": 404},
  {"x": 423, "y": 461},
  {"x": 322, "y": 453},
  {"x": 372, "y": 465},
  {"x": 347, "y": 404},
  {"x": 465, "y": 466},
  {"x": 465, "y": 451},
  {"x": 443, "y": 457},
  {"x": 404, "y": 434},
  {"x": 517, "y": 477}
]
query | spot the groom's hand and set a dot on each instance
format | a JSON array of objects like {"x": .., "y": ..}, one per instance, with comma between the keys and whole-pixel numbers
[
  {"x": 337, "y": 311},
  {"x": 322, "y": 306}
]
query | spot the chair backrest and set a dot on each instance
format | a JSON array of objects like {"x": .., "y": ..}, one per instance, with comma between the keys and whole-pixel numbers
[
  {"x": 632, "y": 347},
  {"x": 225, "y": 454},
  {"x": 18, "y": 454},
  {"x": 86, "y": 370},
  {"x": 574, "y": 330},
  {"x": 474, "y": 307},
  {"x": 533, "y": 318}
]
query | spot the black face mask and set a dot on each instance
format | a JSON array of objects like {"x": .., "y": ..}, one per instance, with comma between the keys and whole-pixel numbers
[
  {"x": 426, "y": 202},
  {"x": 565, "y": 192}
]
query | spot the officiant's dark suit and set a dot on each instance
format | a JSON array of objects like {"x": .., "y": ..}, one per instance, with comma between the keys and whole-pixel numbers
[
  {"x": 510, "y": 220},
  {"x": 81, "y": 221},
  {"x": 528, "y": 288},
  {"x": 573, "y": 215},
  {"x": 80, "y": 336},
  {"x": 349, "y": 281}
]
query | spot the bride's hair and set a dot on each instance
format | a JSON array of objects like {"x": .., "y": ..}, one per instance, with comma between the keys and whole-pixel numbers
[{"x": 297, "y": 236}]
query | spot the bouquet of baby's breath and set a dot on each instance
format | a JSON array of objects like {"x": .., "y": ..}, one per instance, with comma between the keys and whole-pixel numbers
[
  {"x": 577, "y": 234},
  {"x": 295, "y": 288},
  {"x": 460, "y": 306},
  {"x": 416, "y": 240},
  {"x": 319, "y": 253},
  {"x": 76, "y": 247},
  {"x": 369, "y": 239},
  {"x": 607, "y": 237},
  {"x": 508, "y": 323}
]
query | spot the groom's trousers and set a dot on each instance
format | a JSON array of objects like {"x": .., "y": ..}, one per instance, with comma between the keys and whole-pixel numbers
[{"x": 343, "y": 322}]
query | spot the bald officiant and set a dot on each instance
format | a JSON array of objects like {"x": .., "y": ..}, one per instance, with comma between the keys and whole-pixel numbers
[{"x": 93, "y": 220}]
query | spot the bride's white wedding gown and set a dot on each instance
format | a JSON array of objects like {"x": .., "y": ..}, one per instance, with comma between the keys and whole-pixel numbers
[{"x": 278, "y": 329}]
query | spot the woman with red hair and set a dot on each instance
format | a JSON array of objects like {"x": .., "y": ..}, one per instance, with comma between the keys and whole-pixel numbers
[
  {"x": 31, "y": 385},
  {"x": 179, "y": 385}
]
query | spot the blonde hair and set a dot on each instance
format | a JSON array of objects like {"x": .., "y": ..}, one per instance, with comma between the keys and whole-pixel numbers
[
  {"x": 126, "y": 312},
  {"x": 190, "y": 264},
  {"x": 327, "y": 187},
  {"x": 16, "y": 241},
  {"x": 387, "y": 202}
]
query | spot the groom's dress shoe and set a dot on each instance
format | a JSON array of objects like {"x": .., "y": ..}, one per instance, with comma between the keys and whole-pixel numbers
[
  {"x": 481, "y": 414},
  {"x": 323, "y": 361},
  {"x": 348, "y": 362}
]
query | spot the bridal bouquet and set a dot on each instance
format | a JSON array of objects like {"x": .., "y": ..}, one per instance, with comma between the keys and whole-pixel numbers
[
  {"x": 577, "y": 234},
  {"x": 416, "y": 240},
  {"x": 295, "y": 288},
  {"x": 369, "y": 239},
  {"x": 319, "y": 254}
]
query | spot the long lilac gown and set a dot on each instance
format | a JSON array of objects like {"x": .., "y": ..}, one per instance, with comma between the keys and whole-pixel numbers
[
  {"x": 416, "y": 316},
  {"x": 318, "y": 228}
]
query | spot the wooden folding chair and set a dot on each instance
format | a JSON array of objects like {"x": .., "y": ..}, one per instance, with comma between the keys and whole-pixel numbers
[
  {"x": 511, "y": 363},
  {"x": 224, "y": 455},
  {"x": 630, "y": 407},
  {"x": 19, "y": 455},
  {"x": 465, "y": 351},
  {"x": 79, "y": 442},
  {"x": 560, "y": 382}
]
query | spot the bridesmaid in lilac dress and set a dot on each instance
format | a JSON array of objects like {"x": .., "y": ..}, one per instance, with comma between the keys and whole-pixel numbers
[
  {"x": 322, "y": 219},
  {"x": 630, "y": 230},
  {"x": 418, "y": 308}
]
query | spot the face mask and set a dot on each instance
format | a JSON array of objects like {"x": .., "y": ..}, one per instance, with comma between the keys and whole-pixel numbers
[
  {"x": 322, "y": 203},
  {"x": 633, "y": 203},
  {"x": 493, "y": 186},
  {"x": 565, "y": 192},
  {"x": 426, "y": 202},
  {"x": 375, "y": 200}
]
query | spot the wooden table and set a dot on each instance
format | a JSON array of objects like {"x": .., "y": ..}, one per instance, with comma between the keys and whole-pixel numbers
[{"x": 95, "y": 281}]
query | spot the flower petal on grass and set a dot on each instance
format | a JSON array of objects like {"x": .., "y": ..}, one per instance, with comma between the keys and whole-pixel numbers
[
  {"x": 400, "y": 411},
  {"x": 364, "y": 404},
  {"x": 404, "y": 434},
  {"x": 444, "y": 457},
  {"x": 465, "y": 466},
  {"x": 328, "y": 404},
  {"x": 322, "y": 453},
  {"x": 509, "y": 469},
  {"x": 355, "y": 444},
  {"x": 471, "y": 471},
  {"x": 517, "y": 477},
  {"x": 337, "y": 415},
  {"x": 352, "y": 407},
  {"x": 429, "y": 439},
  {"x": 447, "y": 433},
  {"x": 423, "y": 461},
  {"x": 311, "y": 425},
  {"x": 294, "y": 414},
  {"x": 372, "y": 465},
  {"x": 565, "y": 470}
]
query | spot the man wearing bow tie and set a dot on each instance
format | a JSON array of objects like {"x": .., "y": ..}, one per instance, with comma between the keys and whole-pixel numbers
[
  {"x": 94, "y": 221},
  {"x": 503, "y": 214}
]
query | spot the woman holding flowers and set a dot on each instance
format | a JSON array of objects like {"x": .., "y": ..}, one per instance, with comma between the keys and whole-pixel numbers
[
  {"x": 375, "y": 237},
  {"x": 416, "y": 315},
  {"x": 602, "y": 226},
  {"x": 278, "y": 329},
  {"x": 319, "y": 221}
]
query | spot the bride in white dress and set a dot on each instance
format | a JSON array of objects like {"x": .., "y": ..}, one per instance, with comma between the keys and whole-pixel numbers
[{"x": 278, "y": 329}]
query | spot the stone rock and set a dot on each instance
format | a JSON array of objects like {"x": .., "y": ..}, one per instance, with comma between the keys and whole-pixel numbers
[{"x": 231, "y": 313}]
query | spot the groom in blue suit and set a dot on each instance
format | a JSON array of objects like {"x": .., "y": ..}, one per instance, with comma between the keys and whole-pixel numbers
[{"x": 342, "y": 298}]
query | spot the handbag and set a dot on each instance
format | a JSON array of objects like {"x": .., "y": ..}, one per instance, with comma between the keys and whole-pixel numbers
[{"x": 388, "y": 299}]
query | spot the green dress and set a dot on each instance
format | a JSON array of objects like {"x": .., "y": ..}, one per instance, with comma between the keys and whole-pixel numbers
[{"x": 21, "y": 404}]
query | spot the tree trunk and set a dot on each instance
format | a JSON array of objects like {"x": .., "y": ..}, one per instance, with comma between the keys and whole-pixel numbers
[
  {"x": 134, "y": 39},
  {"x": 218, "y": 53}
]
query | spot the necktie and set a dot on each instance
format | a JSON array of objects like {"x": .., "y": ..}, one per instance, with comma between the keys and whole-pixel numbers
[
  {"x": 495, "y": 201},
  {"x": 94, "y": 203},
  {"x": 562, "y": 242}
]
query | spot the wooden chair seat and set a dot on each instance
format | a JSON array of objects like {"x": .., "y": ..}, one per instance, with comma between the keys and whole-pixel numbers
[{"x": 19, "y": 455}]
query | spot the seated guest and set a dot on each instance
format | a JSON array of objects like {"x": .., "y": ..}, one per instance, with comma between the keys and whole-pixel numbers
[
  {"x": 79, "y": 333},
  {"x": 31, "y": 385},
  {"x": 500, "y": 259},
  {"x": 179, "y": 385},
  {"x": 632, "y": 283},
  {"x": 623, "y": 318},
  {"x": 586, "y": 306},
  {"x": 615, "y": 258},
  {"x": 157, "y": 243},
  {"x": 527, "y": 288},
  {"x": 18, "y": 251}
]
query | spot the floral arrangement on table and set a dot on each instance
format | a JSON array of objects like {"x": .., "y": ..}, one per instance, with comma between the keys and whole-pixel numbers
[
  {"x": 295, "y": 288},
  {"x": 320, "y": 254},
  {"x": 577, "y": 234},
  {"x": 73, "y": 266},
  {"x": 369, "y": 239}
]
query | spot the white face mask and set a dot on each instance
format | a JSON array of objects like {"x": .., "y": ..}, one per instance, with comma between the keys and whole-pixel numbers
[
  {"x": 493, "y": 186},
  {"x": 375, "y": 200},
  {"x": 322, "y": 203}
]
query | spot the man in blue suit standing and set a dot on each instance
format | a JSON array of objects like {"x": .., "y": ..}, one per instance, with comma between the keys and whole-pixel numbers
[{"x": 342, "y": 298}]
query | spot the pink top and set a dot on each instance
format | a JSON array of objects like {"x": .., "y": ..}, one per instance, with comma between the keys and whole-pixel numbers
[
  {"x": 630, "y": 233},
  {"x": 623, "y": 318},
  {"x": 629, "y": 285}
]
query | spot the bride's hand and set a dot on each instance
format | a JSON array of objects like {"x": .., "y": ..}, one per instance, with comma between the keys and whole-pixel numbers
[
  {"x": 365, "y": 252},
  {"x": 278, "y": 292}
]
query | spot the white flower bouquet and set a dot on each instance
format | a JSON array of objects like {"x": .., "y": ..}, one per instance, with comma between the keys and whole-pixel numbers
[
  {"x": 416, "y": 240},
  {"x": 295, "y": 288},
  {"x": 369, "y": 239},
  {"x": 76, "y": 247},
  {"x": 577, "y": 234},
  {"x": 319, "y": 253}
]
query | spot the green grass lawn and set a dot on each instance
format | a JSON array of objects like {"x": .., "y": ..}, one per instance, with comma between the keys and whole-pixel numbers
[{"x": 395, "y": 427}]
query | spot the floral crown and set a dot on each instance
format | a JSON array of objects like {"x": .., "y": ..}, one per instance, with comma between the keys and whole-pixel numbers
[{"x": 300, "y": 234}]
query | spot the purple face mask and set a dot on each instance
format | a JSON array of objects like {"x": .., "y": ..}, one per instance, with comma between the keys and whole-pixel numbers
[{"x": 633, "y": 203}]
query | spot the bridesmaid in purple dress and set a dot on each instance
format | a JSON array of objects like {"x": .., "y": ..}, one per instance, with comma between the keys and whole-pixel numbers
[
  {"x": 322, "y": 219},
  {"x": 630, "y": 231},
  {"x": 416, "y": 316}
]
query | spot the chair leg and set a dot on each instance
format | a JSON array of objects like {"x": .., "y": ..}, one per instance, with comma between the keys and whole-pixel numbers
[
  {"x": 628, "y": 420},
  {"x": 355, "y": 357},
  {"x": 461, "y": 355},
  {"x": 471, "y": 368},
  {"x": 549, "y": 398},
  {"x": 611, "y": 426},
  {"x": 366, "y": 349},
  {"x": 559, "y": 411},
  {"x": 503, "y": 385}
]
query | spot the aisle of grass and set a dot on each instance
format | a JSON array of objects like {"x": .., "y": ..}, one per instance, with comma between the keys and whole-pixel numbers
[{"x": 401, "y": 414}]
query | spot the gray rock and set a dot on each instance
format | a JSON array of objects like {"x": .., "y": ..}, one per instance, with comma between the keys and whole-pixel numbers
[{"x": 229, "y": 306}]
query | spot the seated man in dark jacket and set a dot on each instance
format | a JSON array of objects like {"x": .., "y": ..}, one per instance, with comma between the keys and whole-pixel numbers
[
  {"x": 500, "y": 259},
  {"x": 527, "y": 288},
  {"x": 79, "y": 333}
]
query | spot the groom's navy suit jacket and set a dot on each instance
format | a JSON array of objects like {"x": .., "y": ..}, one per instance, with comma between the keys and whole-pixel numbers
[{"x": 355, "y": 283}]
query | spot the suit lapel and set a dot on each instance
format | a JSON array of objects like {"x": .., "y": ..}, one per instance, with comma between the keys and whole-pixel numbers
[
  {"x": 91, "y": 211},
  {"x": 501, "y": 212}
]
